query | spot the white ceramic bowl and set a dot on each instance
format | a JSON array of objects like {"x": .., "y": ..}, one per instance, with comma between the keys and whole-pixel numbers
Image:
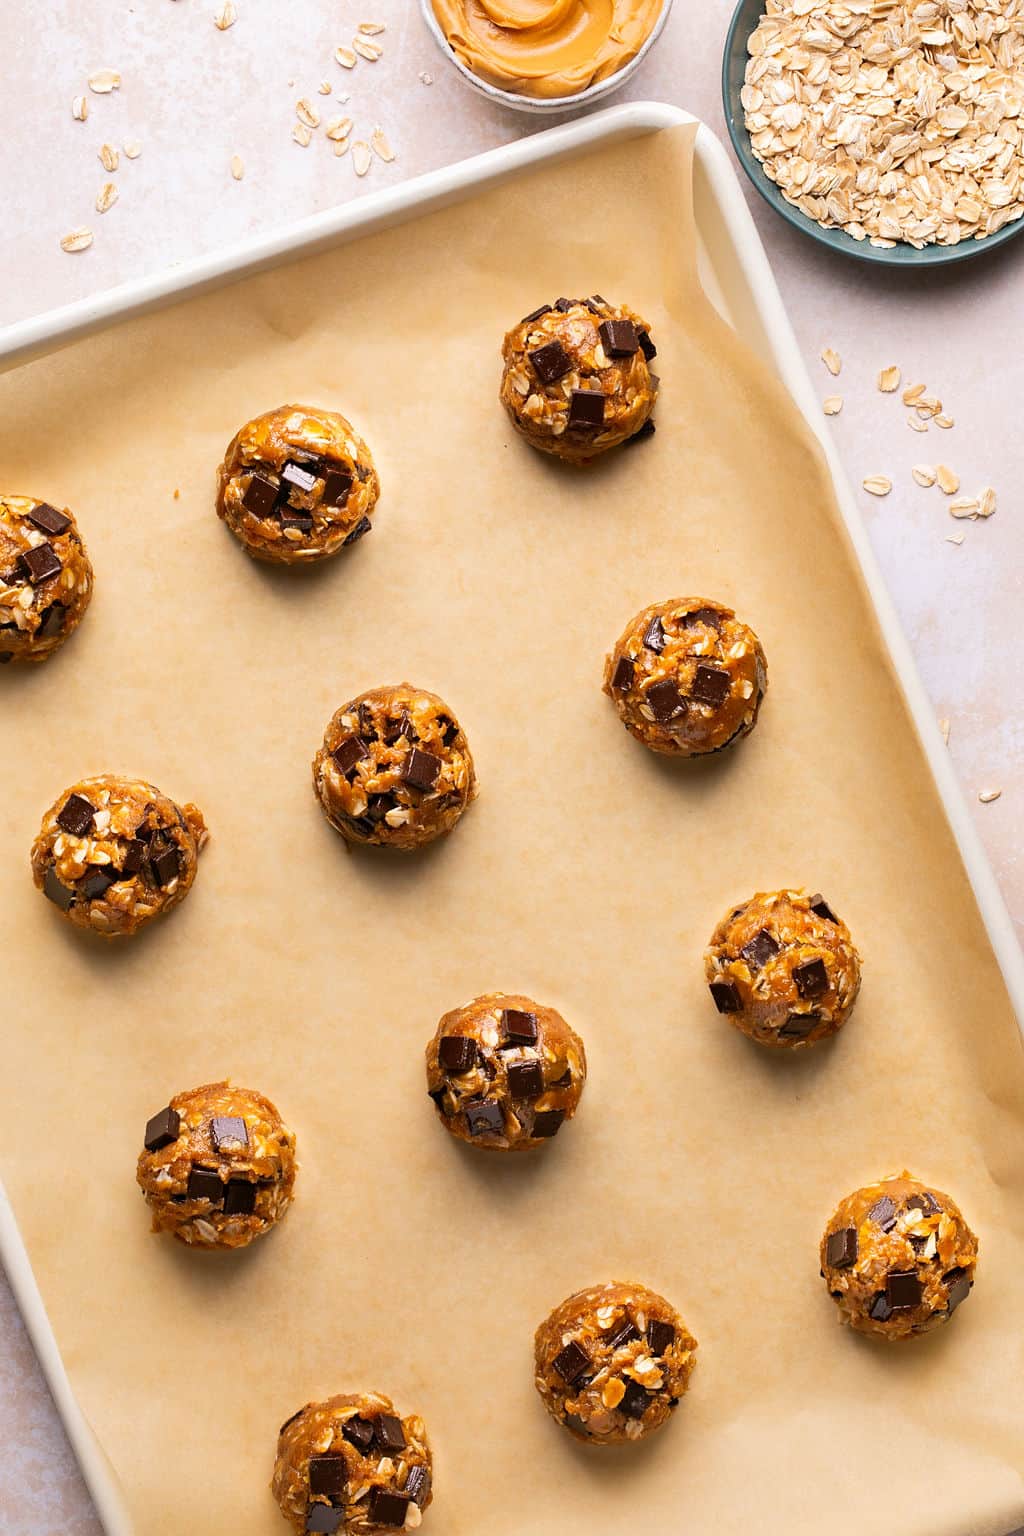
[{"x": 546, "y": 104}]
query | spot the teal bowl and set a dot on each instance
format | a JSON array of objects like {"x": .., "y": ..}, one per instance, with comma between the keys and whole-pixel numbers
[{"x": 734, "y": 63}]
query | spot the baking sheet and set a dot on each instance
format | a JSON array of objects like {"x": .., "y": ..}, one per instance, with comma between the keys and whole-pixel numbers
[{"x": 588, "y": 874}]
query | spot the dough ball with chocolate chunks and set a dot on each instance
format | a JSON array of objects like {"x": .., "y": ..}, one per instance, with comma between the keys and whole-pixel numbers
[
  {"x": 577, "y": 378},
  {"x": 114, "y": 853},
  {"x": 352, "y": 1464},
  {"x": 45, "y": 578},
  {"x": 297, "y": 485},
  {"x": 217, "y": 1167},
  {"x": 505, "y": 1072},
  {"x": 783, "y": 968},
  {"x": 687, "y": 677},
  {"x": 898, "y": 1258},
  {"x": 395, "y": 769},
  {"x": 612, "y": 1362}
]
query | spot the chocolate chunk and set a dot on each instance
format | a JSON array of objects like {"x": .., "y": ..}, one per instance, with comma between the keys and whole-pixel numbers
[
  {"x": 596, "y": 302},
  {"x": 551, "y": 362},
  {"x": 40, "y": 564},
  {"x": 377, "y": 806},
  {"x": 387, "y": 1508},
  {"x": 565, "y": 1080},
  {"x": 727, "y": 997},
  {"x": 291, "y": 518},
  {"x": 819, "y": 905},
  {"x": 544, "y": 309},
  {"x": 925, "y": 1202},
  {"x": 456, "y": 1053},
  {"x": 327, "y": 1473},
  {"x": 228, "y": 1130},
  {"x": 239, "y": 1197},
  {"x": 48, "y": 520},
  {"x": 260, "y": 496},
  {"x": 574, "y": 1422},
  {"x": 62, "y": 896},
  {"x": 388, "y": 1434},
  {"x": 337, "y": 484},
  {"x": 709, "y": 616},
  {"x": 654, "y": 636},
  {"x": 134, "y": 858},
  {"x": 293, "y": 1420},
  {"x": 484, "y": 1119},
  {"x": 710, "y": 686},
  {"x": 646, "y": 345},
  {"x": 324, "y": 1518},
  {"x": 799, "y": 1025},
  {"x": 665, "y": 699},
  {"x": 358, "y": 1432},
  {"x": 648, "y": 429},
  {"x": 166, "y": 865},
  {"x": 205, "y": 1184},
  {"x": 622, "y": 677},
  {"x": 841, "y": 1248},
  {"x": 359, "y": 531},
  {"x": 349, "y": 751},
  {"x": 571, "y": 1362},
  {"x": 811, "y": 978},
  {"x": 525, "y": 1080},
  {"x": 634, "y": 1401},
  {"x": 660, "y": 1336},
  {"x": 520, "y": 1027},
  {"x": 619, "y": 337},
  {"x": 959, "y": 1284},
  {"x": 902, "y": 1289},
  {"x": 586, "y": 410},
  {"x": 624, "y": 1335},
  {"x": 420, "y": 769},
  {"x": 547, "y": 1122},
  {"x": 417, "y": 1484},
  {"x": 294, "y": 476},
  {"x": 162, "y": 1130},
  {"x": 759, "y": 950},
  {"x": 97, "y": 882},
  {"x": 880, "y": 1309},
  {"x": 76, "y": 816},
  {"x": 883, "y": 1214},
  {"x": 438, "y": 1096},
  {"x": 51, "y": 621},
  {"x": 564, "y": 305},
  {"x": 398, "y": 727},
  {"x": 449, "y": 730}
]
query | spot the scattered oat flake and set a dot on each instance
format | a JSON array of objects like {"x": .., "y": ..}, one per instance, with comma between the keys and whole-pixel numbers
[
  {"x": 965, "y": 506},
  {"x": 379, "y": 144},
  {"x": 366, "y": 49},
  {"x": 949, "y": 483},
  {"x": 833, "y": 362},
  {"x": 103, "y": 81},
  {"x": 923, "y": 474},
  {"x": 986, "y": 796},
  {"x": 80, "y": 108},
  {"x": 944, "y": 728},
  {"x": 106, "y": 197},
  {"x": 237, "y": 167},
  {"x": 954, "y": 538},
  {"x": 324, "y": 87},
  {"x": 832, "y": 405},
  {"x": 945, "y": 422},
  {"x": 915, "y": 425},
  {"x": 307, "y": 113},
  {"x": 78, "y": 240},
  {"x": 912, "y": 393},
  {"x": 889, "y": 381},
  {"x": 109, "y": 157},
  {"x": 371, "y": 28},
  {"x": 425, "y": 78},
  {"x": 345, "y": 57},
  {"x": 339, "y": 128},
  {"x": 878, "y": 485},
  {"x": 132, "y": 148},
  {"x": 226, "y": 16},
  {"x": 361, "y": 157},
  {"x": 987, "y": 502},
  {"x": 302, "y": 135},
  {"x": 341, "y": 147}
]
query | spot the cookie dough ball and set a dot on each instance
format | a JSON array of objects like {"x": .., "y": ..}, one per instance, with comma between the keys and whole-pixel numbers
[
  {"x": 577, "y": 378},
  {"x": 297, "y": 485},
  {"x": 687, "y": 677},
  {"x": 612, "y": 1362},
  {"x": 505, "y": 1072},
  {"x": 395, "y": 769},
  {"x": 114, "y": 853},
  {"x": 217, "y": 1167},
  {"x": 783, "y": 969},
  {"x": 45, "y": 578},
  {"x": 352, "y": 1464},
  {"x": 898, "y": 1258}
]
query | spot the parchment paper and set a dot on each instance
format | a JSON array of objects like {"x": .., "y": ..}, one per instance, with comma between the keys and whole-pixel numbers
[{"x": 589, "y": 874}]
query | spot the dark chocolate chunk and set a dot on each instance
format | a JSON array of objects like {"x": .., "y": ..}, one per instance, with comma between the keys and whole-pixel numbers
[
  {"x": 709, "y": 616},
  {"x": 324, "y": 1518},
  {"x": 260, "y": 497},
  {"x": 61, "y": 895},
  {"x": 619, "y": 337},
  {"x": 449, "y": 730},
  {"x": 551, "y": 362},
  {"x": 535, "y": 314},
  {"x": 646, "y": 345},
  {"x": 902, "y": 1289},
  {"x": 654, "y": 636},
  {"x": 417, "y": 1484},
  {"x": 586, "y": 410},
  {"x": 520, "y": 1027},
  {"x": 48, "y": 520},
  {"x": 420, "y": 769},
  {"x": 397, "y": 727},
  {"x": 134, "y": 858},
  {"x": 359, "y": 531},
  {"x": 799, "y": 1025},
  {"x": 377, "y": 806},
  {"x": 225, "y": 1129},
  {"x": 291, "y": 518},
  {"x": 97, "y": 882},
  {"x": 438, "y": 1095},
  {"x": 387, "y": 1508},
  {"x": 841, "y": 1248},
  {"x": 811, "y": 978},
  {"x": 622, "y": 677},
  {"x": 239, "y": 1197},
  {"x": 624, "y": 1334},
  {"x": 205, "y": 1184},
  {"x": 337, "y": 484},
  {"x": 634, "y": 1401},
  {"x": 484, "y": 1119},
  {"x": 358, "y": 1432},
  {"x": 710, "y": 686},
  {"x": 665, "y": 699},
  {"x": 349, "y": 751},
  {"x": 883, "y": 1214},
  {"x": 660, "y": 1336},
  {"x": 648, "y": 429},
  {"x": 596, "y": 302},
  {"x": 727, "y": 997},
  {"x": 51, "y": 621},
  {"x": 565, "y": 1079},
  {"x": 76, "y": 815},
  {"x": 880, "y": 1309},
  {"x": 388, "y": 1433},
  {"x": 571, "y": 1362},
  {"x": 925, "y": 1202},
  {"x": 162, "y": 1130},
  {"x": 819, "y": 905},
  {"x": 166, "y": 865},
  {"x": 959, "y": 1284},
  {"x": 40, "y": 563},
  {"x": 574, "y": 1422},
  {"x": 548, "y": 1122},
  {"x": 456, "y": 1053},
  {"x": 293, "y": 1420},
  {"x": 759, "y": 950},
  {"x": 327, "y": 1473},
  {"x": 525, "y": 1080},
  {"x": 563, "y": 305},
  {"x": 295, "y": 476}
]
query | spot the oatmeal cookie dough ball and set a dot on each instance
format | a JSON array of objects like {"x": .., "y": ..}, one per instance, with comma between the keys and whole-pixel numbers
[
  {"x": 217, "y": 1167},
  {"x": 687, "y": 677},
  {"x": 898, "y": 1258},
  {"x": 114, "y": 853},
  {"x": 394, "y": 769},
  {"x": 352, "y": 1464},
  {"x": 505, "y": 1072},
  {"x": 297, "y": 485},
  {"x": 45, "y": 578},
  {"x": 783, "y": 968},
  {"x": 577, "y": 378},
  {"x": 612, "y": 1362}
]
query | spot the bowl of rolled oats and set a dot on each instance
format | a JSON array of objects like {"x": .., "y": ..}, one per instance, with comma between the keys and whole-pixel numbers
[{"x": 891, "y": 130}]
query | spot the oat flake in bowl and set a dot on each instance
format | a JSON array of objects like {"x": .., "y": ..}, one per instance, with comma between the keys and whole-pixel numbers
[{"x": 897, "y": 121}]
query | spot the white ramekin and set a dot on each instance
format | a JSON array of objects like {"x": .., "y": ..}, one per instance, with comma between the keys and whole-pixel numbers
[{"x": 546, "y": 104}]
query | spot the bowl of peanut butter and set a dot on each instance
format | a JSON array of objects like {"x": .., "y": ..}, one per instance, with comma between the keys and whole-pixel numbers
[{"x": 546, "y": 55}]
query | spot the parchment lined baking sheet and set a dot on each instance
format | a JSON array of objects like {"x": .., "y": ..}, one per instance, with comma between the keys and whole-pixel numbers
[{"x": 588, "y": 874}]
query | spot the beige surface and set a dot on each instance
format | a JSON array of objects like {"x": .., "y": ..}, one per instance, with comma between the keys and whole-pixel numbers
[{"x": 696, "y": 1164}]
